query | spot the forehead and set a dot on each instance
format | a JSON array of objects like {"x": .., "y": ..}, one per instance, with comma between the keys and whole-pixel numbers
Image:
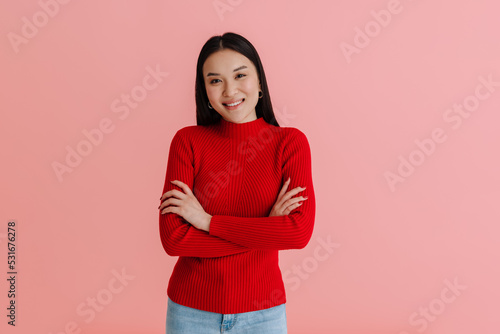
[{"x": 225, "y": 61}]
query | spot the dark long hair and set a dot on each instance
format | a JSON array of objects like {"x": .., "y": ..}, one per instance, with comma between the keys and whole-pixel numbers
[{"x": 229, "y": 40}]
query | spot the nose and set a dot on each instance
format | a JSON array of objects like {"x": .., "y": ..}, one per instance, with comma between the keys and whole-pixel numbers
[{"x": 230, "y": 89}]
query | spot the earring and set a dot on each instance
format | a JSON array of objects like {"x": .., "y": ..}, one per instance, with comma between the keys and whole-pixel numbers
[
  {"x": 209, "y": 105},
  {"x": 260, "y": 94}
]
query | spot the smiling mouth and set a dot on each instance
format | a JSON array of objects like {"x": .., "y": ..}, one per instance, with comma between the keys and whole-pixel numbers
[{"x": 233, "y": 104}]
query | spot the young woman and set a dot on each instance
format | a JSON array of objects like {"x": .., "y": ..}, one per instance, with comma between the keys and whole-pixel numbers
[{"x": 226, "y": 210}]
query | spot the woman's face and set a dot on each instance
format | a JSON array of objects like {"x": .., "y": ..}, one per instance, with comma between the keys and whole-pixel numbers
[{"x": 232, "y": 78}]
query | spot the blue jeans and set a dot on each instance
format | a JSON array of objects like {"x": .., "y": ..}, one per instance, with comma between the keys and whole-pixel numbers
[{"x": 186, "y": 320}]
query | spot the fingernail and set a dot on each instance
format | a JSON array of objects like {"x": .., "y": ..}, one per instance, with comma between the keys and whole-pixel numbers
[{"x": 305, "y": 197}]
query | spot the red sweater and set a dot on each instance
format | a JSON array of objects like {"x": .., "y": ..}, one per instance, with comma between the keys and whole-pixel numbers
[{"x": 236, "y": 171}]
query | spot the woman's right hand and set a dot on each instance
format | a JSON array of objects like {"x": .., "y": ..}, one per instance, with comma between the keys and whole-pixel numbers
[{"x": 285, "y": 203}]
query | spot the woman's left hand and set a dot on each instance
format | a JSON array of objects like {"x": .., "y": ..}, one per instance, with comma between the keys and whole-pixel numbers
[{"x": 186, "y": 205}]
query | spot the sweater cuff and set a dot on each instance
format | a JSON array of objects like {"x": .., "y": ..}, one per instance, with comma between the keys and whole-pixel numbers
[
  {"x": 219, "y": 225},
  {"x": 214, "y": 228}
]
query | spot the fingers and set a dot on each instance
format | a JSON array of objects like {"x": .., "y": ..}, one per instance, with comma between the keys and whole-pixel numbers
[
  {"x": 170, "y": 201},
  {"x": 173, "y": 193},
  {"x": 292, "y": 193},
  {"x": 291, "y": 208},
  {"x": 284, "y": 188},
  {"x": 285, "y": 198},
  {"x": 171, "y": 209},
  {"x": 295, "y": 200},
  {"x": 182, "y": 185}
]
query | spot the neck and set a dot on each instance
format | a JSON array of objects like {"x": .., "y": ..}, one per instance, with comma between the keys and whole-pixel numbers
[{"x": 241, "y": 130}]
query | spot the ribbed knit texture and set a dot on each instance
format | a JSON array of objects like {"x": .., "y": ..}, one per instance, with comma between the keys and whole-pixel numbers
[{"x": 236, "y": 171}]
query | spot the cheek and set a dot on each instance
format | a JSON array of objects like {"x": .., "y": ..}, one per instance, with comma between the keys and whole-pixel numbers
[
  {"x": 212, "y": 93},
  {"x": 250, "y": 86}
]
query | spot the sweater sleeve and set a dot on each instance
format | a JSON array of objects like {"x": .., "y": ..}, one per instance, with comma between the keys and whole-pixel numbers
[
  {"x": 178, "y": 237},
  {"x": 292, "y": 231}
]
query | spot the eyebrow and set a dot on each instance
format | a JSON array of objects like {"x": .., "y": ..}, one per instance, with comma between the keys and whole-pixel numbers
[{"x": 236, "y": 69}]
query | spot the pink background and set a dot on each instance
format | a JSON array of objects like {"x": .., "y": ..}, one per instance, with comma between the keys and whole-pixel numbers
[{"x": 395, "y": 248}]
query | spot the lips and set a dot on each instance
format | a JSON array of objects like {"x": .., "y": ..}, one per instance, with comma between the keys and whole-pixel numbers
[{"x": 233, "y": 103}]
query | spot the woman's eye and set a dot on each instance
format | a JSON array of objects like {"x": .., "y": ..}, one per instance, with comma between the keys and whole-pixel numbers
[{"x": 214, "y": 81}]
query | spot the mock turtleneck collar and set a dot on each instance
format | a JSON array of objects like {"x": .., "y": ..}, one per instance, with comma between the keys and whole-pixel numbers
[{"x": 240, "y": 130}]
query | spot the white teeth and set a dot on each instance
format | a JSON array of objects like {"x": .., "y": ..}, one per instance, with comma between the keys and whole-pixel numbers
[{"x": 234, "y": 104}]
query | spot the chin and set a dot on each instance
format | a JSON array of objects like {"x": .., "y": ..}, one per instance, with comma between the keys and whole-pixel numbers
[{"x": 234, "y": 117}]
